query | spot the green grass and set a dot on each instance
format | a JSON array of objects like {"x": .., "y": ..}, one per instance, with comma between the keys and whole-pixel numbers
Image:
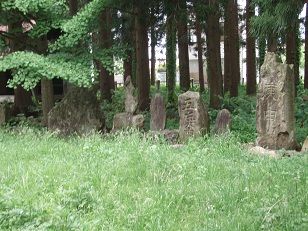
[{"x": 130, "y": 182}]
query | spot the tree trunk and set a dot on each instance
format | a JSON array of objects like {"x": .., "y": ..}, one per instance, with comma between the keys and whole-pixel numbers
[
  {"x": 47, "y": 98},
  {"x": 73, "y": 9},
  {"x": 213, "y": 58},
  {"x": 3, "y": 83},
  {"x": 153, "y": 56},
  {"x": 251, "y": 51},
  {"x": 171, "y": 54},
  {"x": 46, "y": 84},
  {"x": 128, "y": 65},
  {"x": 227, "y": 52},
  {"x": 234, "y": 63},
  {"x": 105, "y": 42},
  {"x": 183, "y": 46},
  {"x": 200, "y": 54},
  {"x": 306, "y": 49},
  {"x": 272, "y": 44},
  {"x": 22, "y": 98},
  {"x": 142, "y": 59}
]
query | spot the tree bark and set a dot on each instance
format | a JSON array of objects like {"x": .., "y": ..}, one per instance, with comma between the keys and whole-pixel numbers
[
  {"x": 46, "y": 84},
  {"x": 128, "y": 65},
  {"x": 227, "y": 52},
  {"x": 200, "y": 54},
  {"x": 106, "y": 78},
  {"x": 47, "y": 98},
  {"x": 22, "y": 98},
  {"x": 306, "y": 50},
  {"x": 3, "y": 83},
  {"x": 234, "y": 61},
  {"x": 142, "y": 58},
  {"x": 183, "y": 46},
  {"x": 171, "y": 54},
  {"x": 251, "y": 52},
  {"x": 73, "y": 9},
  {"x": 153, "y": 55},
  {"x": 213, "y": 55}
]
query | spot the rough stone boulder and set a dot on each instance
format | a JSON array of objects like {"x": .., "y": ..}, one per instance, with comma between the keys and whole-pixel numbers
[
  {"x": 275, "y": 105},
  {"x": 126, "y": 120},
  {"x": 194, "y": 119},
  {"x": 78, "y": 112},
  {"x": 223, "y": 122}
]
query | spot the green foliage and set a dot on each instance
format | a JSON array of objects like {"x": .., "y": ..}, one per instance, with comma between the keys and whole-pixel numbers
[
  {"x": 301, "y": 114},
  {"x": 116, "y": 106},
  {"x": 79, "y": 27},
  {"x": 129, "y": 182},
  {"x": 30, "y": 68},
  {"x": 275, "y": 18}
]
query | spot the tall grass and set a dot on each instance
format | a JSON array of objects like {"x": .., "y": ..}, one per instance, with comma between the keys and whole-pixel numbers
[{"x": 130, "y": 182}]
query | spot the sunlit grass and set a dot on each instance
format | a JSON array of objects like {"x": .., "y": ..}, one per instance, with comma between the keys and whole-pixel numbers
[{"x": 129, "y": 182}]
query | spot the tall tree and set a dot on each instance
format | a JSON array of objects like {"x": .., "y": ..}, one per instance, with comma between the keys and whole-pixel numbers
[
  {"x": 153, "y": 55},
  {"x": 200, "y": 53},
  {"x": 183, "y": 45},
  {"x": 171, "y": 51},
  {"x": 227, "y": 54},
  {"x": 233, "y": 50},
  {"x": 105, "y": 42},
  {"x": 292, "y": 48},
  {"x": 22, "y": 98},
  {"x": 213, "y": 54},
  {"x": 142, "y": 56},
  {"x": 251, "y": 51}
]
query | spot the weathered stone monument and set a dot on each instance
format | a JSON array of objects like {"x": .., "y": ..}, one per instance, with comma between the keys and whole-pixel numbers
[
  {"x": 275, "y": 105},
  {"x": 194, "y": 119},
  {"x": 78, "y": 112},
  {"x": 131, "y": 102},
  {"x": 305, "y": 145},
  {"x": 158, "y": 113},
  {"x": 5, "y": 112},
  {"x": 128, "y": 118},
  {"x": 223, "y": 122}
]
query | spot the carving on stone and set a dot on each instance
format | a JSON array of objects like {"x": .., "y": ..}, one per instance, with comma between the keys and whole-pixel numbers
[
  {"x": 158, "y": 113},
  {"x": 275, "y": 105},
  {"x": 193, "y": 115}
]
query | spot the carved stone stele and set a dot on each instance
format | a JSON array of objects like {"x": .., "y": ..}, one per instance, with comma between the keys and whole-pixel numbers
[
  {"x": 275, "y": 105},
  {"x": 194, "y": 119},
  {"x": 158, "y": 113}
]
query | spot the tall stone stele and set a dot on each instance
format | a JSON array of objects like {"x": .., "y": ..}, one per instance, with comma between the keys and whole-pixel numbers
[
  {"x": 158, "y": 113},
  {"x": 275, "y": 105},
  {"x": 128, "y": 118},
  {"x": 194, "y": 119}
]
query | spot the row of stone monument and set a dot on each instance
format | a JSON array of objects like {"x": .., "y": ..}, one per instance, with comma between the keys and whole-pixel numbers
[
  {"x": 80, "y": 112},
  {"x": 275, "y": 119},
  {"x": 194, "y": 119}
]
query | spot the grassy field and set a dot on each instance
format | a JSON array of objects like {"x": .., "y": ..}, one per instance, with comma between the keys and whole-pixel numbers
[{"x": 129, "y": 182}]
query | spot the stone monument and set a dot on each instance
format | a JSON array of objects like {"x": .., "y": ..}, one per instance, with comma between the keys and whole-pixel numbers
[
  {"x": 223, "y": 122},
  {"x": 275, "y": 105},
  {"x": 128, "y": 118},
  {"x": 158, "y": 113},
  {"x": 78, "y": 112},
  {"x": 194, "y": 119}
]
